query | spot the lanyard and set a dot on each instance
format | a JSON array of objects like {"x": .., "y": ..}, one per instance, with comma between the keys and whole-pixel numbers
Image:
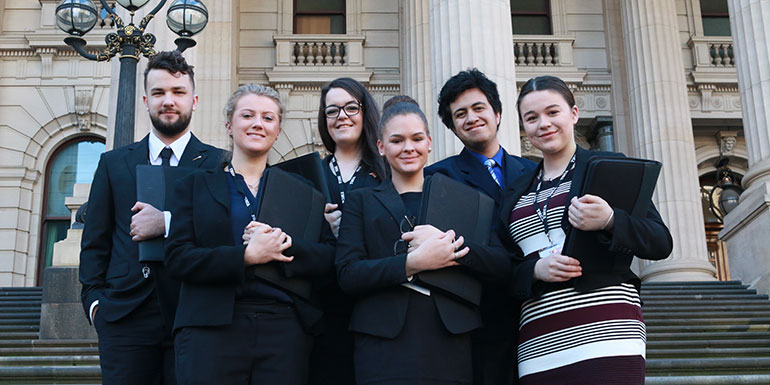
[
  {"x": 343, "y": 185},
  {"x": 239, "y": 186},
  {"x": 543, "y": 213}
]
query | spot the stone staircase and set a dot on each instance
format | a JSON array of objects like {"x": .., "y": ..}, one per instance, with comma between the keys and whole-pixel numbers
[
  {"x": 698, "y": 333},
  {"x": 702, "y": 333},
  {"x": 25, "y": 359}
]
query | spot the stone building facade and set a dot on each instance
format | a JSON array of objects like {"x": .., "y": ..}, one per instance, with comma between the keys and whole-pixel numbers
[{"x": 674, "y": 80}]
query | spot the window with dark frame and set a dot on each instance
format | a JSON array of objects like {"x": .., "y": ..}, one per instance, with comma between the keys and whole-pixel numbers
[
  {"x": 716, "y": 20},
  {"x": 530, "y": 17},
  {"x": 319, "y": 17},
  {"x": 73, "y": 162}
]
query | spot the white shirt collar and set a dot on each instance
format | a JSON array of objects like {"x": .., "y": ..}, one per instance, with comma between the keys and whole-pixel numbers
[{"x": 177, "y": 148}]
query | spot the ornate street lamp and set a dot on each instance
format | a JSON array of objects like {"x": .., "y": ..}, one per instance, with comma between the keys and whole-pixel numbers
[
  {"x": 77, "y": 17},
  {"x": 729, "y": 191}
]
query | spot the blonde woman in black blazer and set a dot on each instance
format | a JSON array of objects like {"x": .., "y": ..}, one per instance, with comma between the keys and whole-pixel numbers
[
  {"x": 232, "y": 327},
  {"x": 406, "y": 333}
]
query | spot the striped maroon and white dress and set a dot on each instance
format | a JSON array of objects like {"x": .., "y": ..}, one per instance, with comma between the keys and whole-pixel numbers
[{"x": 567, "y": 337}]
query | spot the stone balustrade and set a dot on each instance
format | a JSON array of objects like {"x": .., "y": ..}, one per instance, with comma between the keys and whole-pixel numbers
[
  {"x": 712, "y": 51},
  {"x": 319, "y": 50},
  {"x": 546, "y": 55}
]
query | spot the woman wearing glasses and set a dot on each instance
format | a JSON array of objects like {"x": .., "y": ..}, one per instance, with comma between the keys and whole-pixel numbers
[
  {"x": 404, "y": 333},
  {"x": 347, "y": 122}
]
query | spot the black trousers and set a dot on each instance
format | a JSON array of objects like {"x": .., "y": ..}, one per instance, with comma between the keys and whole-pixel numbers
[
  {"x": 264, "y": 345},
  {"x": 137, "y": 349}
]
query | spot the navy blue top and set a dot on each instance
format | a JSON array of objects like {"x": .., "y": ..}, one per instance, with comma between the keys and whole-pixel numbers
[
  {"x": 498, "y": 168},
  {"x": 252, "y": 288}
]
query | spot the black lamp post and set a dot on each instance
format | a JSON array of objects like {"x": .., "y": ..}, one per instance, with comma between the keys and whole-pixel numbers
[
  {"x": 729, "y": 191},
  {"x": 77, "y": 17}
]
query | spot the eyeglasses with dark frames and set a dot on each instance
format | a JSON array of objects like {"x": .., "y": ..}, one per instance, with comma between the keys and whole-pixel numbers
[
  {"x": 406, "y": 225},
  {"x": 332, "y": 111}
]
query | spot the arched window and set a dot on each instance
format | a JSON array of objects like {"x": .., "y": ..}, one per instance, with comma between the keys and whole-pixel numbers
[
  {"x": 531, "y": 17},
  {"x": 716, "y": 21},
  {"x": 319, "y": 16},
  {"x": 73, "y": 162}
]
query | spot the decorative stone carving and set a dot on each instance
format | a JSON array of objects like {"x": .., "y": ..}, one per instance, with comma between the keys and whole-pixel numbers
[
  {"x": 727, "y": 140},
  {"x": 526, "y": 144},
  {"x": 84, "y": 97}
]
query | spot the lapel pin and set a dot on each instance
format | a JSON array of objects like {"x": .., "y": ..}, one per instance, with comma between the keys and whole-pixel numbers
[{"x": 197, "y": 157}]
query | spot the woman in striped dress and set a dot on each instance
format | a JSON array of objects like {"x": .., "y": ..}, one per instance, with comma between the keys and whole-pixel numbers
[{"x": 577, "y": 326}]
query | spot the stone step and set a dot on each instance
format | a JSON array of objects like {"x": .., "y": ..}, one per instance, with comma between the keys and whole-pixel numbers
[
  {"x": 737, "y": 379},
  {"x": 705, "y": 297},
  {"x": 75, "y": 360},
  {"x": 15, "y": 304},
  {"x": 707, "y": 321},
  {"x": 32, "y": 298},
  {"x": 691, "y": 283},
  {"x": 691, "y": 303},
  {"x": 677, "y": 352},
  {"x": 11, "y": 290},
  {"x": 706, "y": 343},
  {"x": 651, "y": 329},
  {"x": 18, "y": 328},
  {"x": 677, "y": 336},
  {"x": 18, "y": 335},
  {"x": 48, "y": 343},
  {"x": 709, "y": 366},
  {"x": 49, "y": 351},
  {"x": 20, "y": 321},
  {"x": 716, "y": 290},
  {"x": 27, "y": 314},
  {"x": 50, "y": 374},
  {"x": 741, "y": 313}
]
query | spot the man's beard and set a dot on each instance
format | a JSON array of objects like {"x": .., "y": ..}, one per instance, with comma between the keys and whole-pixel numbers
[{"x": 171, "y": 129}]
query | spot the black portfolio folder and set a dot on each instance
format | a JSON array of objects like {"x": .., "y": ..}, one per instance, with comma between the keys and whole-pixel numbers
[
  {"x": 625, "y": 183},
  {"x": 296, "y": 207},
  {"x": 449, "y": 204},
  {"x": 153, "y": 185},
  {"x": 309, "y": 166}
]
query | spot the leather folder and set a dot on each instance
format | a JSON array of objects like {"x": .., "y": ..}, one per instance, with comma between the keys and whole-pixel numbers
[
  {"x": 449, "y": 204},
  {"x": 296, "y": 206},
  {"x": 153, "y": 184},
  {"x": 625, "y": 183},
  {"x": 310, "y": 167}
]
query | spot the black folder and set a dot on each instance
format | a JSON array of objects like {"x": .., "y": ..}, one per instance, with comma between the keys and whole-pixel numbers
[
  {"x": 153, "y": 185},
  {"x": 295, "y": 206},
  {"x": 311, "y": 167},
  {"x": 625, "y": 183},
  {"x": 449, "y": 204}
]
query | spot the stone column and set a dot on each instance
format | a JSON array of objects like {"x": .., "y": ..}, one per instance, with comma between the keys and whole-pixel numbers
[
  {"x": 662, "y": 130},
  {"x": 474, "y": 33},
  {"x": 417, "y": 64},
  {"x": 747, "y": 226}
]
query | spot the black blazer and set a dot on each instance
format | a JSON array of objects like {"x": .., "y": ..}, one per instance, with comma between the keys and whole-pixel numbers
[
  {"x": 109, "y": 268},
  {"x": 368, "y": 270},
  {"x": 365, "y": 178},
  {"x": 646, "y": 238},
  {"x": 200, "y": 253},
  {"x": 465, "y": 168}
]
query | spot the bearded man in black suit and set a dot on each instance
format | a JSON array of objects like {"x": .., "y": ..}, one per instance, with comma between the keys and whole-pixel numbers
[{"x": 131, "y": 304}]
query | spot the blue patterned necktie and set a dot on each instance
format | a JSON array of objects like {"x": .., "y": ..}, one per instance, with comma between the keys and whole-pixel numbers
[{"x": 490, "y": 163}]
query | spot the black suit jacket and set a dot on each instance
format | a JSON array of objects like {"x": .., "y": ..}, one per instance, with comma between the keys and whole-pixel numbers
[
  {"x": 201, "y": 254},
  {"x": 646, "y": 238},
  {"x": 109, "y": 267},
  {"x": 465, "y": 168},
  {"x": 368, "y": 270}
]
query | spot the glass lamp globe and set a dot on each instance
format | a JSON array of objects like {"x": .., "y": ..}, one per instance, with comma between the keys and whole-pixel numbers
[
  {"x": 76, "y": 17},
  {"x": 728, "y": 199},
  {"x": 187, "y": 17},
  {"x": 132, "y": 5}
]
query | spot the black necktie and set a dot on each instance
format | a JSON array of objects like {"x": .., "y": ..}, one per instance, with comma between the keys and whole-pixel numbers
[{"x": 165, "y": 156}]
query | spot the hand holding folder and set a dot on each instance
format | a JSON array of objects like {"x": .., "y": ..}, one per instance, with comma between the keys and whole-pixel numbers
[
  {"x": 624, "y": 183},
  {"x": 295, "y": 205},
  {"x": 448, "y": 204}
]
